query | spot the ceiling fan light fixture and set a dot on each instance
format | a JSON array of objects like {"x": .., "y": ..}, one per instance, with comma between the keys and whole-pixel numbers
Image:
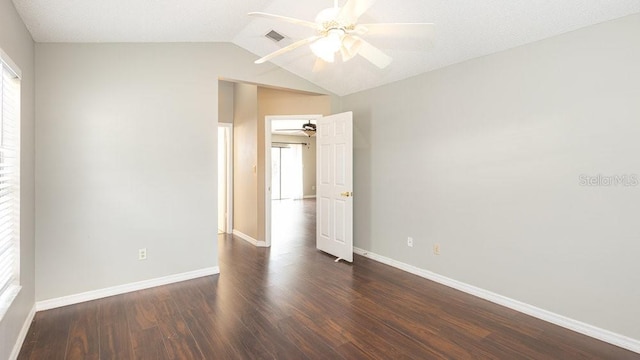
[
  {"x": 309, "y": 132},
  {"x": 326, "y": 47},
  {"x": 337, "y": 30},
  {"x": 327, "y": 15}
]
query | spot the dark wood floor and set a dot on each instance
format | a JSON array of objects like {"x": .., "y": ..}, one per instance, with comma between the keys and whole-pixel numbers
[{"x": 293, "y": 302}]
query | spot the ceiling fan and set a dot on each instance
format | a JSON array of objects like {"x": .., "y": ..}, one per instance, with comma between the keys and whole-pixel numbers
[
  {"x": 308, "y": 129},
  {"x": 337, "y": 30}
]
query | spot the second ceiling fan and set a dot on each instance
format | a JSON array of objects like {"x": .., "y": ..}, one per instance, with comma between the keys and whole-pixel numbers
[
  {"x": 309, "y": 129},
  {"x": 338, "y": 31}
]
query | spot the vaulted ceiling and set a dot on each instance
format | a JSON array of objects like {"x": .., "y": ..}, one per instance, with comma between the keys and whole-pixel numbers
[{"x": 465, "y": 29}]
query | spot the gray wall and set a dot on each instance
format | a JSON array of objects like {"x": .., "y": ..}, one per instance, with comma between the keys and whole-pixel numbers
[
  {"x": 126, "y": 141},
  {"x": 225, "y": 101},
  {"x": 16, "y": 42},
  {"x": 484, "y": 158}
]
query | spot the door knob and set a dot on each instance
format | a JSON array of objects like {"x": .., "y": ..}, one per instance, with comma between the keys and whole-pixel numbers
[{"x": 346, "y": 194}]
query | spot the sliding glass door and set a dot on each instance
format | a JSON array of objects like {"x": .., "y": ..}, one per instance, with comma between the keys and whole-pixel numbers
[{"x": 286, "y": 172}]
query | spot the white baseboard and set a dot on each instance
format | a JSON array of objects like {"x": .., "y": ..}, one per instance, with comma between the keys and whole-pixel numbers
[
  {"x": 249, "y": 239},
  {"x": 121, "y": 289},
  {"x": 309, "y": 197},
  {"x": 560, "y": 320},
  {"x": 23, "y": 334}
]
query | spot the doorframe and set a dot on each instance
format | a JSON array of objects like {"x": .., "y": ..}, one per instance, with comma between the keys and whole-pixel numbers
[
  {"x": 229, "y": 169},
  {"x": 267, "y": 166}
]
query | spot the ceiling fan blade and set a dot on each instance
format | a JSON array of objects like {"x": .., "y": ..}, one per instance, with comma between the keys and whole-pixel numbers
[
  {"x": 346, "y": 54},
  {"x": 350, "y": 47},
  {"x": 285, "y": 19},
  {"x": 319, "y": 65},
  {"x": 286, "y": 49},
  {"x": 353, "y": 9},
  {"x": 373, "y": 54},
  {"x": 405, "y": 30}
]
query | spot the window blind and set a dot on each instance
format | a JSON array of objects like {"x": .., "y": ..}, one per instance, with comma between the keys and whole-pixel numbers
[{"x": 9, "y": 184}]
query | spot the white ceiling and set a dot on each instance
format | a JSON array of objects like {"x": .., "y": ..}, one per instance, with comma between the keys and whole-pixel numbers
[{"x": 465, "y": 29}]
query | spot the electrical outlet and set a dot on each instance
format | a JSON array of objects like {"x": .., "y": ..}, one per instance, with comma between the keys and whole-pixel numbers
[
  {"x": 142, "y": 254},
  {"x": 410, "y": 241},
  {"x": 436, "y": 249}
]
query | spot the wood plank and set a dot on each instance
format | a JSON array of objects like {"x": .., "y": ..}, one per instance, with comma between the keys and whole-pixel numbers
[
  {"x": 115, "y": 338},
  {"x": 248, "y": 316},
  {"x": 210, "y": 338},
  {"x": 279, "y": 346},
  {"x": 148, "y": 344},
  {"x": 309, "y": 342},
  {"x": 177, "y": 336},
  {"x": 350, "y": 351},
  {"x": 53, "y": 333},
  {"x": 222, "y": 334},
  {"x": 141, "y": 311},
  {"x": 190, "y": 295},
  {"x": 84, "y": 339}
]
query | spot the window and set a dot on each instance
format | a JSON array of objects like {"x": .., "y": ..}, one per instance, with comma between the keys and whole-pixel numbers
[{"x": 9, "y": 182}]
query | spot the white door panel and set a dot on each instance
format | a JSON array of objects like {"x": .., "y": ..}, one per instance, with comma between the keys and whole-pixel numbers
[{"x": 335, "y": 185}]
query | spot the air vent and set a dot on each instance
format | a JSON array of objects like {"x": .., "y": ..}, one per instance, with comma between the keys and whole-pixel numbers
[{"x": 275, "y": 36}]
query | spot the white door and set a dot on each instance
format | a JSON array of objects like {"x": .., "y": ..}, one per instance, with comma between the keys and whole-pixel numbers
[{"x": 334, "y": 216}]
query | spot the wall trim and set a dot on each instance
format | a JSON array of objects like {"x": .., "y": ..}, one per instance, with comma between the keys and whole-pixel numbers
[
  {"x": 309, "y": 197},
  {"x": 557, "y": 319},
  {"x": 23, "y": 334},
  {"x": 125, "y": 288},
  {"x": 249, "y": 239}
]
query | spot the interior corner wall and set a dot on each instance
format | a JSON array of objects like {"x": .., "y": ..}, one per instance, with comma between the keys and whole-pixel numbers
[
  {"x": 16, "y": 42},
  {"x": 245, "y": 159},
  {"x": 126, "y": 141},
  {"x": 489, "y": 158},
  {"x": 282, "y": 102},
  {"x": 225, "y": 101}
]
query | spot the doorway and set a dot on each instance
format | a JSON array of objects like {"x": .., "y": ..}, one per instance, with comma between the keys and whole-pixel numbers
[
  {"x": 225, "y": 178},
  {"x": 275, "y": 179}
]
